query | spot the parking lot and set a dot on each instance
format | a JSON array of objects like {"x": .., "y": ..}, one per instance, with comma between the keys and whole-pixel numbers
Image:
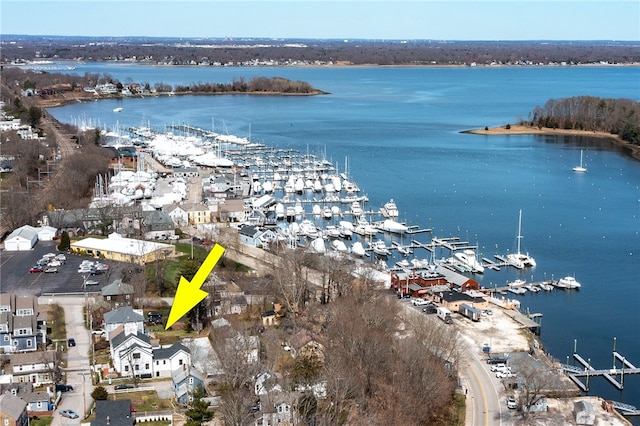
[{"x": 16, "y": 278}]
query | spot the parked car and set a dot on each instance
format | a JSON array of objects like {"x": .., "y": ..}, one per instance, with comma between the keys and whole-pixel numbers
[
  {"x": 69, "y": 413},
  {"x": 505, "y": 374},
  {"x": 512, "y": 403},
  {"x": 50, "y": 270},
  {"x": 63, "y": 388},
  {"x": 71, "y": 342},
  {"x": 498, "y": 367},
  {"x": 91, "y": 282},
  {"x": 420, "y": 302},
  {"x": 430, "y": 309},
  {"x": 123, "y": 386},
  {"x": 36, "y": 268},
  {"x": 98, "y": 332}
]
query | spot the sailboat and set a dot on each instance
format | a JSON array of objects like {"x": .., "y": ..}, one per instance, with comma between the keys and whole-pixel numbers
[
  {"x": 517, "y": 259},
  {"x": 581, "y": 167}
]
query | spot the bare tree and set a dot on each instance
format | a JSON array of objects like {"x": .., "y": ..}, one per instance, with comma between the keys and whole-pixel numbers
[{"x": 533, "y": 378}]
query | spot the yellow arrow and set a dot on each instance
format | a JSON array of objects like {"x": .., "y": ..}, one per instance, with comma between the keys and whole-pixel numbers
[{"x": 189, "y": 293}]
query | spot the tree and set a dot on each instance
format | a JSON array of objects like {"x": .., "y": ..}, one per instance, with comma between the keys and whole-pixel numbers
[
  {"x": 65, "y": 241},
  {"x": 199, "y": 412},
  {"x": 533, "y": 378},
  {"x": 100, "y": 393}
]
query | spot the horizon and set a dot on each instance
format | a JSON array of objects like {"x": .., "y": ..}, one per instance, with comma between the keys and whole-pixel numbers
[{"x": 383, "y": 20}]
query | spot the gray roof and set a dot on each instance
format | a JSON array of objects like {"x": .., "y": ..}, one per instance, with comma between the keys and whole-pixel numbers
[
  {"x": 36, "y": 397},
  {"x": 180, "y": 374},
  {"x": 117, "y": 288},
  {"x": 12, "y": 406},
  {"x": 166, "y": 353},
  {"x": 27, "y": 232},
  {"x": 122, "y": 315},
  {"x": 119, "y": 413},
  {"x": 121, "y": 337}
]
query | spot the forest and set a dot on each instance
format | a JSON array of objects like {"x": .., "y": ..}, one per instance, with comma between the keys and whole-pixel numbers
[
  {"x": 292, "y": 52},
  {"x": 616, "y": 116}
]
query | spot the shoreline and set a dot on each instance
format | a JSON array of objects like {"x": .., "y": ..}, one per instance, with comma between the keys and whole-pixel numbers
[{"x": 519, "y": 129}]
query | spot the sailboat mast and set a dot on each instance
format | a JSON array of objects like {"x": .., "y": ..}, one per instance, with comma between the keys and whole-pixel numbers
[{"x": 519, "y": 230}]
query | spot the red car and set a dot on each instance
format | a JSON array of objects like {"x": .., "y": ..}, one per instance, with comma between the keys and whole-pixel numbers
[{"x": 36, "y": 268}]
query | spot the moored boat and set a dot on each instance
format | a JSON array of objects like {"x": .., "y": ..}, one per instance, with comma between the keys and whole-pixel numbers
[
  {"x": 390, "y": 210},
  {"x": 568, "y": 282}
]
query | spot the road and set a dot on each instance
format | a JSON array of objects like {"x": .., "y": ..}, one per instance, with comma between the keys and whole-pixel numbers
[
  {"x": 78, "y": 372},
  {"x": 483, "y": 399}
]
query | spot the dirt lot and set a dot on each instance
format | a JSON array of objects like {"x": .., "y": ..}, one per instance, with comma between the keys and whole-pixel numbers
[{"x": 498, "y": 331}]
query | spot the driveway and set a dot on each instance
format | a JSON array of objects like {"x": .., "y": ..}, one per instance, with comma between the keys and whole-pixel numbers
[{"x": 78, "y": 372}]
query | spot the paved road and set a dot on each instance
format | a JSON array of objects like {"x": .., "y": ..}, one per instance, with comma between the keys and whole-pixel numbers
[{"x": 78, "y": 371}]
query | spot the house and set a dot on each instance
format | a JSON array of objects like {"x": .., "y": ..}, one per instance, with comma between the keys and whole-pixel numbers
[
  {"x": 198, "y": 213},
  {"x": 178, "y": 215},
  {"x": 129, "y": 250},
  {"x": 20, "y": 329},
  {"x": 123, "y": 157},
  {"x": 233, "y": 210},
  {"x": 114, "y": 413},
  {"x": 157, "y": 224},
  {"x": 169, "y": 359},
  {"x": 132, "y": 321},
  {"x": 37, "y": 368},
  {"x": 185, "y": 172},
  {"x": 37, "y": 401},
  {"x": 118, "y": 294},
  {"x": 254, "y": 236},
  {"x": 584, "y": 413},
  {"x": 275, "y": 409},
  {"x": 22, "y": 239},
  {"x": 185, "y": 381},
  {"x": 269, "y": 318},
  {"x": 13, "y": 411},
  {"x": 131, "y": 353}
]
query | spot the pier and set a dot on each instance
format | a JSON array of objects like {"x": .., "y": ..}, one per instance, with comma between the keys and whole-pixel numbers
[{"x": 614, "y": 375}]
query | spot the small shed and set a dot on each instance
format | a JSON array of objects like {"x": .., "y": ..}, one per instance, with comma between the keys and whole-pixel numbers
[
  {"x": 584, "y": 413},
  {"x": 22, "y": 239},
  {"x": 46, "y": 233}
]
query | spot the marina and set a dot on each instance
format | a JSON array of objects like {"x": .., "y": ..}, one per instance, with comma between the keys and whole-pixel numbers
[{"x": 418, "y": 170}]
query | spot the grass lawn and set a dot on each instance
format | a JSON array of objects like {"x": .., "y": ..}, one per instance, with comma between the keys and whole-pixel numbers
[
  {"x": 55, "y": 318},
  {"x": 41, "y": 421},
  {"x": 144, "y": 401}
]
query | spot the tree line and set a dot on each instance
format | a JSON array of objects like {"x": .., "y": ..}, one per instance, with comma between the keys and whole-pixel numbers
[
  {"x": 254, "y": 85},
  {"x": 616, "y": 116}
]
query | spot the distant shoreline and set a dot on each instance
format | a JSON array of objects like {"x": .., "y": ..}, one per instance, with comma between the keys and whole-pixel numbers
[{"x": 517, "y": 129}]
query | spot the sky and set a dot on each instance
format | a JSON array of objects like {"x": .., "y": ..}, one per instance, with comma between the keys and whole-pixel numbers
[{"x": 328, "y": 19}]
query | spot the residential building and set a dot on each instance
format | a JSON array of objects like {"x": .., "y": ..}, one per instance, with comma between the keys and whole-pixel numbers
[
  {"x": 20, "y": 329},
  {"x": 178, "y": 215},
  {"x": 198, "y": 213},
  {"x": 118, "y": 294},
  {"x": 185, "y": 381},
  {"x": 132, "y": 321},
  {"x": 37, "y": 368},
  {"x": 132, "y": 353},
  {"x": 114, "y": 413},
  {"x": 13, "y": 411},
  {"x": 166, "y": 360},
  {"x": 37, "y": 401}
]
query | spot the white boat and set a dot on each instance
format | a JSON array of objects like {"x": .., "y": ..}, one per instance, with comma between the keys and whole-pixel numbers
[
  {"x": 280, "y": 211},
  {"x": 517, "y": 283},
  {"x": 468, "y": 258},
  {"x": 356, "y": 209},
  {"x": 308, "y": 228},
  {"x": 404, "y": 263},
  {"x": 332, "y": 231},
  {"x": 118, "y": 109},
  {"x": 394, "y": 227},
  {"x": 326, "y": 212},
  {"x": 345, "y": 231},
  {"x": 318, "y": 245},
  {"x": 379, "y": 248},
  {"x": 517, "y": 290},
  {"x": 317, "y": 185},
  {"x": 339, "y": 246},
  {"x": 365, "y": 228},
  {"x": 518, "y": 259},
  {"x": 532, "y": 288},
  {"x": 581, "y": 167},
  {"x": 390, "y": 210},
  {"x": 568, "y": 282},
  {"x": 357, "y": 249},
  {"x": 545, "y": 286}
]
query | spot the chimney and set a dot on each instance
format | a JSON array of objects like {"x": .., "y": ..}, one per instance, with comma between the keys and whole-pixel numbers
[{"x": 108, "y": 420}]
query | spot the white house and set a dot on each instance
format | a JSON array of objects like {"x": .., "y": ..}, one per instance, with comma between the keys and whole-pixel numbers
[
  {"x": 132, "y": 353},
  {"x": 132, "y": 321},
  {"x": 22, "y": 239},
  {"x": 33, "y": 367},
  {"x": 168, "y": 359},
  {"x": 178, "y": 215}
]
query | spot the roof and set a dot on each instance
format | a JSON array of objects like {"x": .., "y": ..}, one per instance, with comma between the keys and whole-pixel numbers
[
  {"x": 117, "y": 288},
  {"x": 118, "y": 339},
  {"x": 25, "y": 302},
  {"x": 118, "y": 412},
  {"x": 12, "y": 406},
  {"x": 118, "y": 244},
  {"x": 35, "y": 397},
  {"x": 178, "y": 375},
  {"x": 166, "y": 353},
  {"x": 456, "y": 296},
  {"x": 122, "y": 315},
  {"x": 8, "y": 299},
  {"x": 27, "y": 232},
  {"x": 22, "y": 358}
]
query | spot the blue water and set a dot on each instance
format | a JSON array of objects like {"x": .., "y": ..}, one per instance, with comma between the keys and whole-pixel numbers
[{"x": 399, "y": 129}]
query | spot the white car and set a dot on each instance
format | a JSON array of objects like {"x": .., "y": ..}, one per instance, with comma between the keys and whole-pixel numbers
[
  {"x": 512, "y": 403},
  {"x": 505, "y": 374},
  {"x": 420, "y": 302},
  {"x": 498, "y": 367}
]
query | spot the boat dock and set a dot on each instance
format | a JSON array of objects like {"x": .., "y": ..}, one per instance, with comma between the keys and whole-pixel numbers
[{"x": 614, "y": 375}]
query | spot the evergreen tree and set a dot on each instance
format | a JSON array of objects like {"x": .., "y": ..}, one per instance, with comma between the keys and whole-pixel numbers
[{"x": 65, "y": 242}]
